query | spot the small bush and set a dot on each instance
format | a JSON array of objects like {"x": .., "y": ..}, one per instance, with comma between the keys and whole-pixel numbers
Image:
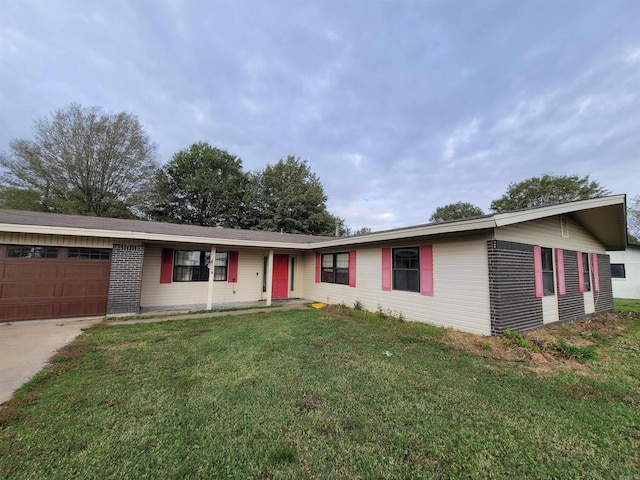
[
  {"x": 357, "y": 305},
  {"x": 514, "y": 338}
]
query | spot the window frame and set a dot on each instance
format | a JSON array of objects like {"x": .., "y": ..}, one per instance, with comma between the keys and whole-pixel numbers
[
  {"x": 586, "y": 271},
  {"x": 331, "y": 272},
  {"x": 36, "y": 252},
  {"x": 199, "y": 267},
  {"x": 82, "y": 253},
  {"x": 397, "y": 272},
  {"x": 221, "y": 267},
  {"x": 548, "y": 281}
]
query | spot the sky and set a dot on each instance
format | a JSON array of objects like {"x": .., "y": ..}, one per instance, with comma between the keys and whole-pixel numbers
[{"x": 398, "y": 106}]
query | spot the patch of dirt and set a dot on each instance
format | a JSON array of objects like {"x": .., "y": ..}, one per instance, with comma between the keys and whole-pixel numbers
[{"x": 543, "y": 355}]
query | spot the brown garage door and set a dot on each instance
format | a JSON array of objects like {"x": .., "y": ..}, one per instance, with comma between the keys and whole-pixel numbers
[{"x": 52, "y": 282}]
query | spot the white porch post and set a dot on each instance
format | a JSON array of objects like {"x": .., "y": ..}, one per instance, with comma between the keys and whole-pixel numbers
[
  {"x": 212, "y": 265},
  {"x": 269, "y": 276}
]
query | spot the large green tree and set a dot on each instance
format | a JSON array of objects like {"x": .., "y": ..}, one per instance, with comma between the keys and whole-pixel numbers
[
  {"x": 82, "y": 161},
  {"x": 455, "y": 211},
  {"x": 201, "y": 185},
  {"x": 547, "y": 190},
  {"x": 288, "y": 197}
]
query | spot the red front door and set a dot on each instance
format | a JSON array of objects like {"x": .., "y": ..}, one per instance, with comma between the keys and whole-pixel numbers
[{"x": 280, "y": 284}]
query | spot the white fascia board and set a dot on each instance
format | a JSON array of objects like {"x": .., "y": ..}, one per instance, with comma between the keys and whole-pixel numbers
[
  {"x": 411, "y": 232},
  {"x": 117, "y": 234},
  {"x": 509, "y": 218}
]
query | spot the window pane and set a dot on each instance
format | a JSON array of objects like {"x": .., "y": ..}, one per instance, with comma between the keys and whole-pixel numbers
[
  {"x": 187, "y": 258},
  {"x": 342, "y": 260},
  {"x": 327, "y": 260},
  {"x": 88, "y": 254},
  {"x": 342, "y": 276},
  {"x": 406, "y": 258},
  {"x": 33, "y": 252},
  {"x": 220, "y": 268},
  {"x": 587, "y": 276},
  {"x": 547, "y": 259},
  {"x": 327, "y": 275},
  {"x": 617, "y": 270},
  {"x": 191, "y": 266},
  {"x": 406, "y": 280},
  {"x": 547, "y": 282},
  {"x": 221, "y": 259}
]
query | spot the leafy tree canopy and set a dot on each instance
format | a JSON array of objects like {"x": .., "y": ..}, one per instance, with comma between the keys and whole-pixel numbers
[
  {"x": 288, "y": 197},
  {"x": 81, "y": 161},
  {"x": 547, "y": 190},
  {"x": 455, "y": 211},
  {"x": 20, "y": 199},
  {"x": 201, "y": 185}
]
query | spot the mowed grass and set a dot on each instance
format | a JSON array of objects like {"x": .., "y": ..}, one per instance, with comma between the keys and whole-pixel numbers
[
  {"x": 627, "y": 305},
  {"x": 308, "y": 394}
]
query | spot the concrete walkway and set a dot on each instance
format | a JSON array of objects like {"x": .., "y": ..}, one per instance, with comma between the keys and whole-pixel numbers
[
  {"x": 26, "y": 347},
  {"x": 167, "y": 316}
]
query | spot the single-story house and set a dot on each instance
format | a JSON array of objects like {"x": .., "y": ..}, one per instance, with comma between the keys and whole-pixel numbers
[
  {"x": 518, "y": 270},
  {"x": 625, "y": 272}
]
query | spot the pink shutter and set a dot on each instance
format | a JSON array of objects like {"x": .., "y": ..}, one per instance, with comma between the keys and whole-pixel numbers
[
  {"x": 562, "y": 288},
  {"x": 537, "y": 271},
  {"x": 426, "y": 270},
  {"x": 580, "y": 272},
  {"x": 386, "y": 269},
  {"x": 232, "y": 274},
  {"x": 596, "y": 273},
  {"x": 166, "y": 265},
  {"x": 318, "y": 264},
  {"x": 352, "y": 268}
]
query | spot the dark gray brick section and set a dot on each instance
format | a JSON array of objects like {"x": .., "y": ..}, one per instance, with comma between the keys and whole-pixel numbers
[
  {"x": 511, "y": 288},
  {"x": 604, "y": 298},
  {"x": 571, "y": 304},
  {"x": 125, "y": 284}
]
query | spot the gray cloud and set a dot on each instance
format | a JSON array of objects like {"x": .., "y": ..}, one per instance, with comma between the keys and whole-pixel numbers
[{"x": 398, "y": 107}]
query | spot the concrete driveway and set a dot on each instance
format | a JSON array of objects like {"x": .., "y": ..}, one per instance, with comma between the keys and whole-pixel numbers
[{"x": 26, "y": 347}]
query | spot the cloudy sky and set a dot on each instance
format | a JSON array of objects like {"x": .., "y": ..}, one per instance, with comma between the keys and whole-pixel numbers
[{"x": 399, "y": 106}]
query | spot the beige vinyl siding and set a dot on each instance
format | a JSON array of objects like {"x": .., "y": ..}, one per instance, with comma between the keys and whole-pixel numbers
[
  {"x": 461, "y": 286},
  {"x": 247, "y": 288},
  {"x": 549, "y": 309},
  {"x": 10, "y": 238},
  {"x": 546, "y": 232}
]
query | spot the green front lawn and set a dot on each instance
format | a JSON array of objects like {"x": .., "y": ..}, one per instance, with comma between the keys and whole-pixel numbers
[
  {"x": 627, "y": 305},
  {"x": 309, "y": 394}
]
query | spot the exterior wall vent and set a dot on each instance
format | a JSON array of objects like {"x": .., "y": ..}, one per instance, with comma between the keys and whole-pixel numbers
[{"x": 564, "y": 227}]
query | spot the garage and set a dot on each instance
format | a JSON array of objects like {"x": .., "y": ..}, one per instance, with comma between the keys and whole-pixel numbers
[{"x": 44, "y": 282}]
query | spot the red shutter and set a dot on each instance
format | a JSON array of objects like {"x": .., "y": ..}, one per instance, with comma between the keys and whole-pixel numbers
[
  {"x": 426, "y": 270},
  {"x": 318, "y": 264},
  {"x": 232, "y": 274},
  {"x": 166, "y": 266},
  {"x": 386, "y": 269},
  {"x": 537, "y": 271},
  {"x": 562, "y": 288},
  {"x": 596, "y": 273},
  {"x": 352, "y": 268},
  {"x": 580, "y": 272}
]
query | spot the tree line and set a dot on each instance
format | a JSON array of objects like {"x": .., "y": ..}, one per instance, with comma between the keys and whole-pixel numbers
[{"x": 90, "y": 162}]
